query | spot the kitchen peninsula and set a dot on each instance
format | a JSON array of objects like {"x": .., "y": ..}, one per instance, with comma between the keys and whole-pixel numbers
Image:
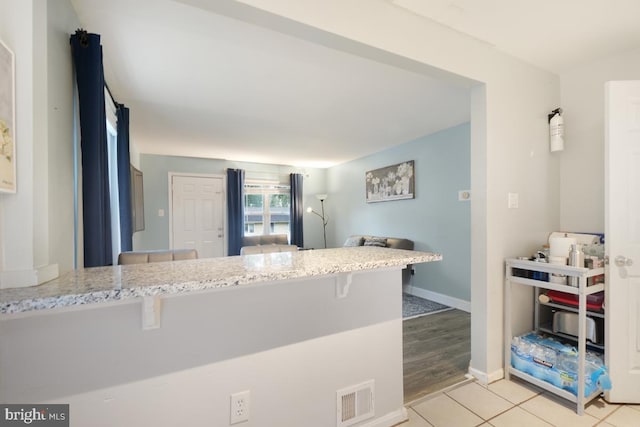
[{"x": 168, "y": 343}]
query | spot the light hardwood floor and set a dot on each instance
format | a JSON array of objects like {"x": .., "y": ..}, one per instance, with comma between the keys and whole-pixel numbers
[{"x": 436, "y": 350}]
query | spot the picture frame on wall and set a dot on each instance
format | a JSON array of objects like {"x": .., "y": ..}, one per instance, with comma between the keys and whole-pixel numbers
[
  {"x": 7, "y": 121},
  {"x": 395, "y": 182},
  {"x": 137, "y": 199}
]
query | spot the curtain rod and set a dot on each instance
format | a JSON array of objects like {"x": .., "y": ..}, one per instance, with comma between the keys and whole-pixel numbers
[
  {"x": 83, "y": 35},
  {"x": 111, "y": 95}
]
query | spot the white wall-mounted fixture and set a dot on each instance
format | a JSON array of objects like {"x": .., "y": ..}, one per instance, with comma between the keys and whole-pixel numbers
[
  {"x": 556, "y": 130},
  {"x": 240, "y": 407},
  {"x": 343, "y": 281},
  {"x": 355, "y": 403},
  {"x": 151, "y": 312}
]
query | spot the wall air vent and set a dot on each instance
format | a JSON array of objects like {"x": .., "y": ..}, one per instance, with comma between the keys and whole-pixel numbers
[{"x": 355, "y": 403}]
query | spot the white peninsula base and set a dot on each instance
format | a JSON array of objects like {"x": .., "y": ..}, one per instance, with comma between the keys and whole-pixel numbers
[{"x": 291, "y": 343}]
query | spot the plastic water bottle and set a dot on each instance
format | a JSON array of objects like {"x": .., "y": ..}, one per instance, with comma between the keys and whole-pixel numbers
[
  {"x": 597, "y": 371},
  {"x": 596, "y": 374}
]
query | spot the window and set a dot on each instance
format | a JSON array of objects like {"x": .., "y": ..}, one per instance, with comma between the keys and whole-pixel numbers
[
  {"x": 266, "y": 209},
  {"x": 112, "y": 152}
]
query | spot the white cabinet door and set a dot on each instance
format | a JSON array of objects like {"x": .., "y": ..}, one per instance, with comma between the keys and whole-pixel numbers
[
  {"x": 197, "y": 214},
  {"x": 622, "y": 231}
]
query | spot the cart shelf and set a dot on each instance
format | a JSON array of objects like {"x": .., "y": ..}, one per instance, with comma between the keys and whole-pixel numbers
[{"x": 582, "y": 290}]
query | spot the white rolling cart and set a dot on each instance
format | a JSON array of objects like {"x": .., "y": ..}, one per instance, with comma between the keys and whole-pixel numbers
[{"x": 582, "y": 290}]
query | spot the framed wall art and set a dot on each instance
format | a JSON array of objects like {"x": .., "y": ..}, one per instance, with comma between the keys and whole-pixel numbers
[
  {"x": 396, "y": 182},
  {"x": 137, "y": 200},
  {"x": 7, "y": 121}
]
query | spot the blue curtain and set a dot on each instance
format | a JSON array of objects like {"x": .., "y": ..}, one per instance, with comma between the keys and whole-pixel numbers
[
  {"x": 87, "y": 59},
  {"x": 297, "y": 210},
  {"x": 235, "y": 210},
  {"x": 124, "y": 179}
]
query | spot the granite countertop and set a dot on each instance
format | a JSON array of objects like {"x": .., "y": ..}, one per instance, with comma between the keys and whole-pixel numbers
[{"x": 104, "y": 284}]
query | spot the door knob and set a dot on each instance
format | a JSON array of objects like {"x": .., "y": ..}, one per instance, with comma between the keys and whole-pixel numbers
[{"x": 622, "y": 261}]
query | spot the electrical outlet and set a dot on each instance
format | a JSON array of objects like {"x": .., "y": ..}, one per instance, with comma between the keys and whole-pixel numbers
[{"x": 240, "y": 405}]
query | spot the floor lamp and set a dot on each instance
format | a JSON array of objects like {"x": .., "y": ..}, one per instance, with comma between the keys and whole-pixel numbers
[{"x": 325, "y": 219}]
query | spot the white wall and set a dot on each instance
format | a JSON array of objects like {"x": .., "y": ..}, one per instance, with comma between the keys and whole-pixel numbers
[
  {"x": 24, "y": 219},
  {"x": 17, "y": 32},
  {"x": 62, "y": 21},
  {"x": 292, "y": 344},
  {"x": 510, "y": 101},
  {"x": 582, "y": 173},
  {"x": 35, "y": 232}
]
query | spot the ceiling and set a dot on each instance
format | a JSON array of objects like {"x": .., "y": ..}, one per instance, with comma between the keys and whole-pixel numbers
[
  {"x": 555, "y": 35},
  {"x": 204, "y": 85}
]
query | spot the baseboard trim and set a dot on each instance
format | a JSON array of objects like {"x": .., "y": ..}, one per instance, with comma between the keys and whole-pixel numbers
[
  {"x": 440, "y": 298},
  {"x": 390, "y": 419},
  {"x": 26, "y": 278},
  {"x": 47, "y": 273},
  {"x": 486, "y": 378}
]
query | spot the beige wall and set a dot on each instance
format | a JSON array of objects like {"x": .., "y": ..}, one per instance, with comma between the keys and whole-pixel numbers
[
  {"x": 510, "y": 101},
  {"x": 582, "y": 173}
]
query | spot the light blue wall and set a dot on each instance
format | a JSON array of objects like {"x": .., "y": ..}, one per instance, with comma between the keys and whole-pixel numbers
[
  {"x": 156, "y": 168},
  {"x": 435, "y": 220}
]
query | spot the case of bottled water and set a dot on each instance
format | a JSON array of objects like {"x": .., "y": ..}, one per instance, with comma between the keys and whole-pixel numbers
[{"x": 557, "y": 363}]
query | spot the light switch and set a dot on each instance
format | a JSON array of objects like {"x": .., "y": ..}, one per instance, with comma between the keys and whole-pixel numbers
[
  {"x": 513, "y": 200},
  {"x": 160, "y": 212}
]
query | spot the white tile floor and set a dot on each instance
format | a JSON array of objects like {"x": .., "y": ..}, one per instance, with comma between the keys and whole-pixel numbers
[{"x": 513, "y": 403}]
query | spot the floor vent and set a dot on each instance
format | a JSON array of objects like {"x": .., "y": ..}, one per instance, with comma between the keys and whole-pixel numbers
[{"x": 355, "y": 403}]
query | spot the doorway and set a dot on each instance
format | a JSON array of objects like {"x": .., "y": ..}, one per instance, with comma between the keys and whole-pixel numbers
[
  {"x": 436, "y": 351},
  {"x": 197, "y": 214}
]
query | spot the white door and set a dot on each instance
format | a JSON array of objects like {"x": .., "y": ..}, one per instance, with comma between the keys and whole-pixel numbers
[
  {"x": 197, "y": 214},
  {"x": 622, "y": 232}
]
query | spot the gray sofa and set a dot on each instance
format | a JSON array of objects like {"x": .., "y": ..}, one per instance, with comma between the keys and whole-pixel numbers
[
  {"x": 387, "y": 242},
  {"x": 267, "y": 249},
  {"x": 266, "y": 244},
  {"x": 143, "y": 257},
  {"x": 272, "y": 239}
]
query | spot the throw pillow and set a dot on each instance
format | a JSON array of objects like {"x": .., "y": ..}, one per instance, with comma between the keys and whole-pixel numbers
[
  {"x": 353, "y": 241},
  {"x": 375, "y": 241}
]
